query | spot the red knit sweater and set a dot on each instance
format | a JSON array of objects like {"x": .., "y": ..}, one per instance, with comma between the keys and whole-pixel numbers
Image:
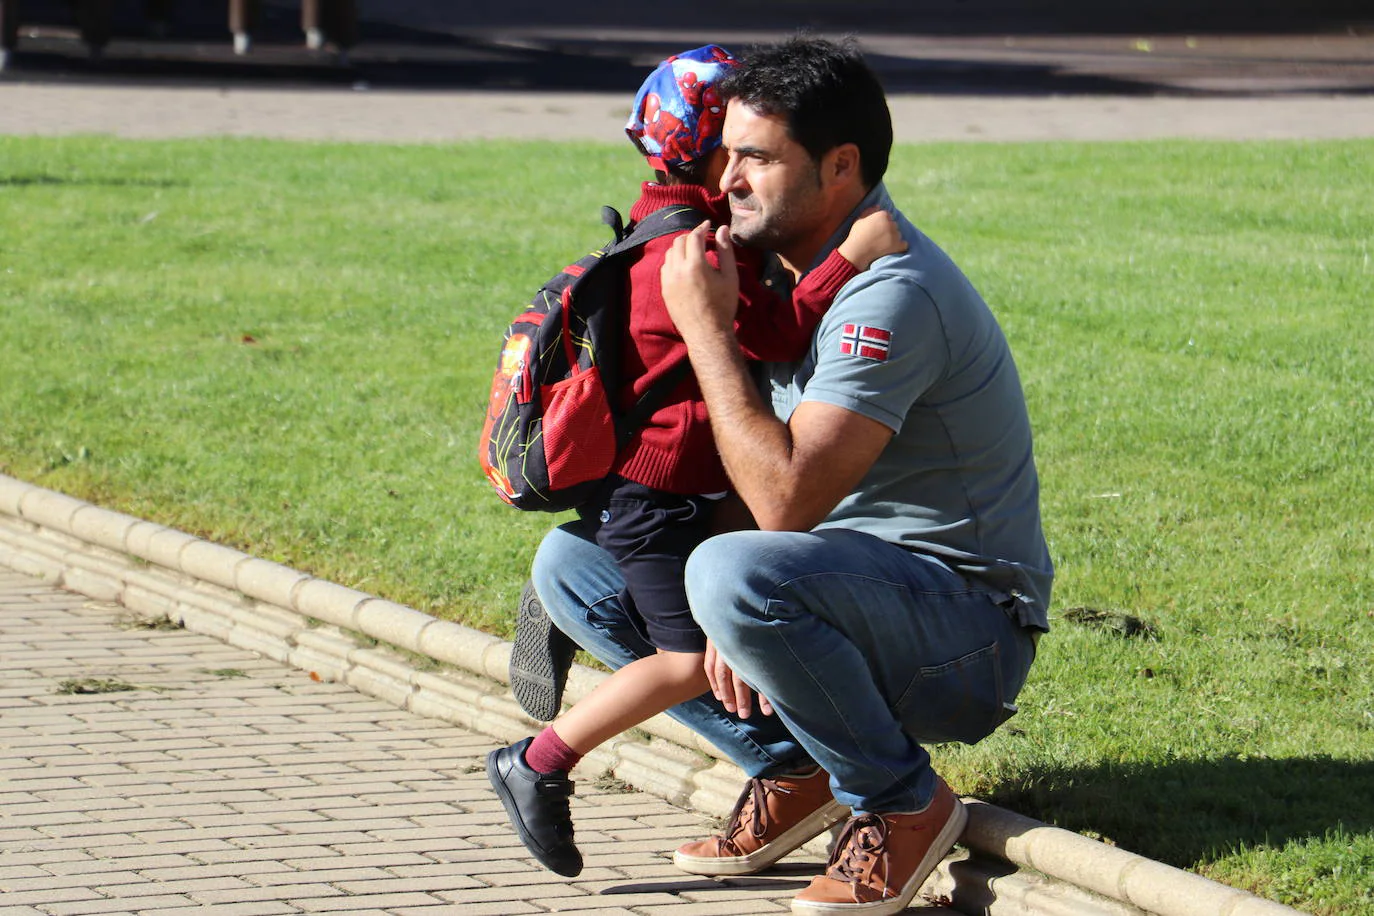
[{"x": 674, "y": 451}]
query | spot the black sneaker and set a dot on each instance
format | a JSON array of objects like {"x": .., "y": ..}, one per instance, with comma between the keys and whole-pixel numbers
[
  {"x": 540, "y": 660},
  {"x": 537, "y": 804}
]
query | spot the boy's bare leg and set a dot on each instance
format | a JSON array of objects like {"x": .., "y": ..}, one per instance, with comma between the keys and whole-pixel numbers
[
  {"x": 634, "y": 693},
  {"x": 531, "y": 778}
]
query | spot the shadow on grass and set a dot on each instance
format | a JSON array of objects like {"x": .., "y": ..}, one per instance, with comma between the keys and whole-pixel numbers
[
  {"x": 1187, "y": 812},
  {"x": 110, "y": 181}
]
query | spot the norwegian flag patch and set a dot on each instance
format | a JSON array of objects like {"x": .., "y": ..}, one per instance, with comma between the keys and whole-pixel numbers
[{"x": 866, "y": 341}]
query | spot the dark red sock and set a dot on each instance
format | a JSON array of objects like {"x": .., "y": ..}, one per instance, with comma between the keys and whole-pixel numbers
[{"x": 547, "y": 753}]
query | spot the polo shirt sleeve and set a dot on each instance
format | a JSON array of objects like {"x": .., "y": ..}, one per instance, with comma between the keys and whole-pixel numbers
[{"x": 880, "y": 348}]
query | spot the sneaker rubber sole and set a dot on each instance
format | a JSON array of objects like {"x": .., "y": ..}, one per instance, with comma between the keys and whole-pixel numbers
[
  {"x": 786, "y": 842},
  {"x": 540, "y": 660}
]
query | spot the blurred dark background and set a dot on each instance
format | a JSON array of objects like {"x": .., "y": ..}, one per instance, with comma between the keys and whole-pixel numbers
[{"x": 1030, "y": 46}]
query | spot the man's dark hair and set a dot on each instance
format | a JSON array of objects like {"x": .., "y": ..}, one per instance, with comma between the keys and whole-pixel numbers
[{"x": 827, "y": 94}]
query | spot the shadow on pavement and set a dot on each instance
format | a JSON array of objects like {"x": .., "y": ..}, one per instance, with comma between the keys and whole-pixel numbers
[
  {"x": 1026, "y": 48},
  {"x": 566, "y": 68},
  {"x": 688, "y": 885}
]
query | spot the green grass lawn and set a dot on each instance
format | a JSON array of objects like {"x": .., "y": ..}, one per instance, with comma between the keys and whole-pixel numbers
[{"x": 286, "y": 348}]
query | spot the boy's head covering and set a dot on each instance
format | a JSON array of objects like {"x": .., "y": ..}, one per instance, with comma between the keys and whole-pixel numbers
[{"x": 679, "y": 112}]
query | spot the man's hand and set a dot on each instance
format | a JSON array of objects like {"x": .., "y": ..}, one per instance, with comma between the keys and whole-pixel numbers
[
  {"x": 728, "y": 687},
  {"x": 701, "y": 297}
]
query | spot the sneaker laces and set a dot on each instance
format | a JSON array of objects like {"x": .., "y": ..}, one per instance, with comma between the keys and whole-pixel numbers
[
  {"x": 558, "y": 789},
  {"x": 859, "y": 852},
  {"x": 754, "y": 800}
]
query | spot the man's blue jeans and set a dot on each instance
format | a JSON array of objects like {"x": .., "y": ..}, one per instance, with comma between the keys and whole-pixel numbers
[{"x": 864, "y": 649}]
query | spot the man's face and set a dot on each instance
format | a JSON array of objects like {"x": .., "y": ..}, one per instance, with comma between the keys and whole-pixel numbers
[{"x": 774, "y": 186}]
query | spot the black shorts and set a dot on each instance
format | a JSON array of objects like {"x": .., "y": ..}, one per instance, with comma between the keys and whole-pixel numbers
[{"x": 650, "y": 533}]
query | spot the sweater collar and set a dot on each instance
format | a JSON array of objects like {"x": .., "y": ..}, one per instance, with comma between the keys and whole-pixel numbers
[{"x": 654, "y": 196}]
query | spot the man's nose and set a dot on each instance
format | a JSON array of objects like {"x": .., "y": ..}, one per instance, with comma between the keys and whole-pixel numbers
[{"x": 731, "y": 179}]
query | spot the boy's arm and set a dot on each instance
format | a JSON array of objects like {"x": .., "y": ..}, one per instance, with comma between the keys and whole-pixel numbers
[
  {"x": 769, "y": 326},
  {"x": 776, "y": 331}
]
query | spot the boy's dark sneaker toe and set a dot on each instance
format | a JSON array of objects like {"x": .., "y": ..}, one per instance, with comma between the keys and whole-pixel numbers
[{"x": 537, "y": 804}]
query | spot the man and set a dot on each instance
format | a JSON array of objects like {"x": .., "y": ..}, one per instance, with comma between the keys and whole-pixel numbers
[
  {"x": 898, "y": 580},
  {"x": 659, "y": 502}
]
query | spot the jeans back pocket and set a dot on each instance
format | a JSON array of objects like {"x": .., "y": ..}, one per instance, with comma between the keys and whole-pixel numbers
[{"x": 960, "y": 700}]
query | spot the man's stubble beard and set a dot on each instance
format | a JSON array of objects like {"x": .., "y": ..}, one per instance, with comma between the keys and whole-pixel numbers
[
  {"x": 772, "y": 231},
  {"x": 793, "y": 217}
]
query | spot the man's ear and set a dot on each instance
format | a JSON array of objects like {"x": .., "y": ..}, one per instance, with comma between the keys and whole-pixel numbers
[{"x": 841, "y": 164}]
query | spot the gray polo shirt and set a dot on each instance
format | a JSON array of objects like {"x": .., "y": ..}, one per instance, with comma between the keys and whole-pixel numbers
[{"x": 911, "y": 344}]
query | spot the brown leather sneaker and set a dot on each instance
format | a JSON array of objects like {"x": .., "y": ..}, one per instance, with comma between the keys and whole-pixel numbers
[
  {"x": 772, "y": 818},
  {"x": 881, "y": 860}
]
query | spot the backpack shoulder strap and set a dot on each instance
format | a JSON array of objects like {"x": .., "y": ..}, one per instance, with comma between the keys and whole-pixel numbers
[
  {"x": 611, "y": 217},
  {"x": 651, "y": 400},
  {"x": 661, "y": 222},
  {"x": 665, "y": 221}
]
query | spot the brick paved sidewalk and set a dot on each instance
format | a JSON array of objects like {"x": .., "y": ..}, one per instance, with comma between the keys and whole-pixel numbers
[{"x": 220, "y": 781}]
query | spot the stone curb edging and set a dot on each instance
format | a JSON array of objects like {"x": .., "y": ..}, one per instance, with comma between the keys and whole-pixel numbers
[{"x": 1015, "y": 865}]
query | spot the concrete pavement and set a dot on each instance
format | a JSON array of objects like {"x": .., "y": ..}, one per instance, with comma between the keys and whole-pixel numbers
[
  {"x": 149, "y": 769},
  {"x": 183, "y": 724},
  {"x": 393, "y": 116}
]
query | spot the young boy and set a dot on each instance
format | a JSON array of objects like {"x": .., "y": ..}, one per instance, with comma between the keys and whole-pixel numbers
[{"x": 658, "y": 504}]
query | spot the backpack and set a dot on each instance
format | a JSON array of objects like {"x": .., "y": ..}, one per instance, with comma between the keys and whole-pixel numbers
[{"x": 553, "y": 430}]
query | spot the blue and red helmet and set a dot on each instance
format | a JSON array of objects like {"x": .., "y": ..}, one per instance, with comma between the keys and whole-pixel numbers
[{"x": 679, "y": 112}]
